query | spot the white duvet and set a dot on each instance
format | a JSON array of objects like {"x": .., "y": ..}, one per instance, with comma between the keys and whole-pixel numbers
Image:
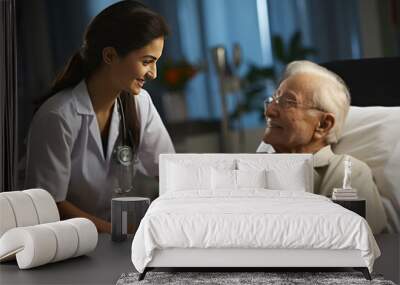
[{"x": 250, "y": 219}]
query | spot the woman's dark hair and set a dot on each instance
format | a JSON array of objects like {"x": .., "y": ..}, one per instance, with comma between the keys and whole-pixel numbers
[{"x": 126, "y": 26}]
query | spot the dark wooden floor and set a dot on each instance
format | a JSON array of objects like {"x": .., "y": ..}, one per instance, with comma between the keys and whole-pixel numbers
[{"x": 389, "y": 262}]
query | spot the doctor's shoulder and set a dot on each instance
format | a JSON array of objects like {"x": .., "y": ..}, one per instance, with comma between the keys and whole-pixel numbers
[
  {"x": 144, "y": 104},
  {"x": 59, "y": 109},
  {"x": 143, "y": 99}
]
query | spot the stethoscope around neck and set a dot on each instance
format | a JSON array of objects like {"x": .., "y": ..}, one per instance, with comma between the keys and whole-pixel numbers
[
  {"x": 124, "y": 152},
  {"x": 124, "y": 157}
]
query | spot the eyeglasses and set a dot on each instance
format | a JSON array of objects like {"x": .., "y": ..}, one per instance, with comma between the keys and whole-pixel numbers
[{"x": 285, "y": 103}]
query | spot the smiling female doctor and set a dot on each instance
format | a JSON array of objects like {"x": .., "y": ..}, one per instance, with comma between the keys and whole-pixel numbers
[{"x": 99, "y": 124}]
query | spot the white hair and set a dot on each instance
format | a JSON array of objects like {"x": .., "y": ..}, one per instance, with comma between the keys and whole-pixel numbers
[{"x": 332, "y": 96}]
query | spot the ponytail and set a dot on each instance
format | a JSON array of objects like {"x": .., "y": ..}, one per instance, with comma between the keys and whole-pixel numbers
[
  {"x": 73, "y": 72},
  {"x": 71, "y": 75}
]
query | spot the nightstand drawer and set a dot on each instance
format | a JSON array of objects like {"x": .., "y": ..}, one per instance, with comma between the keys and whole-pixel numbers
[{"x": 357, "y": 206}]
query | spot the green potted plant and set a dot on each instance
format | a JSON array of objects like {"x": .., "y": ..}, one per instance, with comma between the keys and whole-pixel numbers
[{"x": 254, "y": 80}]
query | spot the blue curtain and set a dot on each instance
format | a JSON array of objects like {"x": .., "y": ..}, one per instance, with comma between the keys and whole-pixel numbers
[{"x": 330, "y": 27}]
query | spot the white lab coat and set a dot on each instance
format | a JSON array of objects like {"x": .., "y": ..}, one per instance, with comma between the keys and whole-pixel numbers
[{"x": 65, "y": 154}]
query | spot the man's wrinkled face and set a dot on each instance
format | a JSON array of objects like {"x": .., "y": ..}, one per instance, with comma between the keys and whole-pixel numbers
[{"x": 292, "y": 117}]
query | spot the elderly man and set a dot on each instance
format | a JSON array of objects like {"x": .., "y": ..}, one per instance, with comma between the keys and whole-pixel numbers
[{"x": 306, "y": 115}]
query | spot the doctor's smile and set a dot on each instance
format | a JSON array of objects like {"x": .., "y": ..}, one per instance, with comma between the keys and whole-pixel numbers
[{"x": 140, "y": 82}]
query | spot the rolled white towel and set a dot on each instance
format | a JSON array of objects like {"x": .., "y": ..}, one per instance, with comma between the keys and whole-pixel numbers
[
  {"x": 67, "y": 240},
  {"x": 23, "y": 209},
  {"x": 40, "y": 244},
  {"x": 45, "y": 205},
  {"x": 7, "y": 218},
  {"x": 87, "y": 235},
  {"x": 33, "y": 246},
  {"x": 26, "y": 208}
]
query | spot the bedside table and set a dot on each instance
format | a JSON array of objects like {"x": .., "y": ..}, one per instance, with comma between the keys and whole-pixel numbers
[
  {"x": 127, "y": 211},
  {"x": 358, "y": 206}
]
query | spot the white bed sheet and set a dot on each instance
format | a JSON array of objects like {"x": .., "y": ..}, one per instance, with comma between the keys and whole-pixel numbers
[{"x": 252, "y": 218}]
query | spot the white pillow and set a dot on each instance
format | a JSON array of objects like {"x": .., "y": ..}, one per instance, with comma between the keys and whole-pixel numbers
[
  {"x": 223, "y": 179},
  {"x": 251, "y": 178},
  {"x": 237, "y": 179},
  {"x": 188, "y": 173},
  {"x": 181, "y": 177},
  {"x": 168, "y": 176},
  {"x": 292, "y": 180},
  {"x": 282, "y": 174}
]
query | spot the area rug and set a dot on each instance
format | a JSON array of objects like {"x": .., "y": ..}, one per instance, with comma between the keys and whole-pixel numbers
[{"x": 243, "y": 278}]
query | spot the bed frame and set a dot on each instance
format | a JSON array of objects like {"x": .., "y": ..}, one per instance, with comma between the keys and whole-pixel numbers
[
  {"x": 242, "y": 259},
  {"x": 245, "y": 259}
]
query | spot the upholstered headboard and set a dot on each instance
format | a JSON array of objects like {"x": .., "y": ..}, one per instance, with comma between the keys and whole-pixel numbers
[{"x": 233, "y": 161}]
